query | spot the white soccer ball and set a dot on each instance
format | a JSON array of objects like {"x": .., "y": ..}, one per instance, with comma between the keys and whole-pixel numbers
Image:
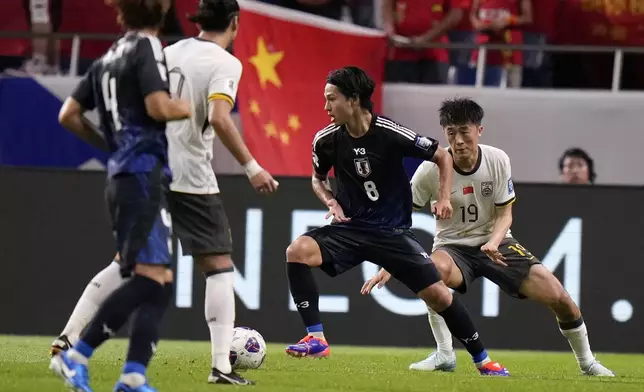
[{"x": 248, "y": 349}]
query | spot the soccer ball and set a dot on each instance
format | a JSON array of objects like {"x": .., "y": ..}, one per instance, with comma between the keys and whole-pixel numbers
[{"x": 248, "y": 349}]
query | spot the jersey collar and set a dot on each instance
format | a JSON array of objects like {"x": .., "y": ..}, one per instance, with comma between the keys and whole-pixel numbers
[{"x": 474, "y": 169}]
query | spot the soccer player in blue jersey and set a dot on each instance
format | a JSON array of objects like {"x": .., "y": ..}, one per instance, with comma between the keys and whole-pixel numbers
[
  {"x": 129, "y": 88},
  {"x": 371, "y": 212}
]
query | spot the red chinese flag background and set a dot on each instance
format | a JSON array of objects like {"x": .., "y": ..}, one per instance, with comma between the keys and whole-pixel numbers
[{"x": 286, "y": 59}]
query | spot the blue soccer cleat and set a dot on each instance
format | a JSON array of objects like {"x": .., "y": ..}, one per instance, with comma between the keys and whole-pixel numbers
[
  {"x": 309, "y": 346},
  {"x": 75, "y": 375},
  {"x": 121, "y": 387},
  {"x": 493, "y": 369}
]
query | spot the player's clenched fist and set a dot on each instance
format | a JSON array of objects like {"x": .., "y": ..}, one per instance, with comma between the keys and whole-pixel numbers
[
  {"x": 335, "y": 211},
  {"x": 442, "y": 209}
]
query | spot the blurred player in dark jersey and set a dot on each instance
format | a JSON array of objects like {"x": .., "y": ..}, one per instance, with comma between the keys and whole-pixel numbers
[
  {"x": 129, "y": 88},
  {"x": 371, "y": 212}
]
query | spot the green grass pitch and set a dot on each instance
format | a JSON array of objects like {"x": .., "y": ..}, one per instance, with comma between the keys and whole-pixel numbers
[{"x": 183, "y": 366}]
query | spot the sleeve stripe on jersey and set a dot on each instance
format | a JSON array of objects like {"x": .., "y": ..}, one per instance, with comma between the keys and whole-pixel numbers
[
  {"x": 417, "y": 207},
  {"x": 326, "y": 131},
  {"x": 225, "y": 97},
  {"x": 383, "y": 121},
  {"x": 157, "y": 48},
  {"x": 398, "y": 131},
  {"x": 507, "y": 203}
]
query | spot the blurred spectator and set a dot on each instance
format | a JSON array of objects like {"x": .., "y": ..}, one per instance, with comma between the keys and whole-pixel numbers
[
  {"x": 361, "y": 12},
  {"x": 537, "y": 65},
  {"x": 459, "y": 59},
  {"x": 44, "y": 16},
  {"x": 498, "y": 22},
  {"x": 577, "y": 167},
  {"x": 421, "y": 21}
]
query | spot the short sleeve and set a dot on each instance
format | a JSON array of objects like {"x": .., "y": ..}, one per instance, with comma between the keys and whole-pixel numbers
[
  {"x": 323, "y": 151},
  {"x": 504, "y": 194},
  {"x": 151, "y": 70},
  {"x": 409, "y": 143},
  {"x": 423, "y": 184},
  {"x": 84, "y": 91},
  {"x": 224, "y": 81}
]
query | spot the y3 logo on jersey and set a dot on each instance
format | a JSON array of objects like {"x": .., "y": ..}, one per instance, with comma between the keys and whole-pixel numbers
[{"x": 360, "y": 151}]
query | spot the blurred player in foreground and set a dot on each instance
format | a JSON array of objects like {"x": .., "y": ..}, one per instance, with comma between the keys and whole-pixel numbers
[
  {"x": 371, "y": 213},
  {"x": 477, "y": 242},
  {"x": 204, "y": 73},
  {"x": 129, "y": 88}
]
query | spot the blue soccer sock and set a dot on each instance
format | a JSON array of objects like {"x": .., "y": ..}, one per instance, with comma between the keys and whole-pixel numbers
[
  {"x": 133, "y": 374},
  {"x": 315, "y": 330}
]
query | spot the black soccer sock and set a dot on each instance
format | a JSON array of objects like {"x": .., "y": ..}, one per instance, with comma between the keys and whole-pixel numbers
[
  {"x": 145, "y": 333},
  {"x": 305, "y": 294},
  {"x": 460, "y": 324},
  {"x": 117, "y": 308}
]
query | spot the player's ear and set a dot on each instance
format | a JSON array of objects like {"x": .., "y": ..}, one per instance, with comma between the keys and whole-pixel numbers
[
  {"x": 480, "y": 130},
  {"x": 234, "y": 24}
]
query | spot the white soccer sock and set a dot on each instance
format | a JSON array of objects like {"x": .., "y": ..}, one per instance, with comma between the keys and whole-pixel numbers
[
  {"x": 442, "y": 335},
  {"x": 98, "y": 289},
  {"x": 578, "y": 340},
  {"x": 220, "y": 316}
]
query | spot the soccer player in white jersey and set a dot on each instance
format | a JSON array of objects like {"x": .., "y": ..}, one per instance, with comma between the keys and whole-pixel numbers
[
  {"x": 477, "y": 241},
  {"x": 202, "y": 72}
]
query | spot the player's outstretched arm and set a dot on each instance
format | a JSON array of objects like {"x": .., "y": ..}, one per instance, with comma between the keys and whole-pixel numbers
[
  {"x": 71, "y": 117},
  {"x": 443, "y": 208},
  {"x": 221, "y": 121}
]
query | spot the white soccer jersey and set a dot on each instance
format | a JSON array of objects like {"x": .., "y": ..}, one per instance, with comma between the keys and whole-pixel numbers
[
  {"x": 474, "y": 199},
  {"x": 199, "y": 71}
]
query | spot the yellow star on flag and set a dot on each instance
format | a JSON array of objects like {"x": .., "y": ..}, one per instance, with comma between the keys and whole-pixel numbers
[
  {"x": 270, "y": 129},
  {"x": 265, "y": 63},
  {"x": 284, "y": 136},
  {"x": 254, "y": 107},
  {"x": 294, "y": 122}
]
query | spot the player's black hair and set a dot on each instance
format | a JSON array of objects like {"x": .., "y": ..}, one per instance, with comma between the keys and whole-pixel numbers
[
  {"x": 215, "y": 15},
  {"x": 576, "y": 152},
  {"x": 353, "y": 82},
  {"x": 460, "y": 111},
  {"x": 141, "y": 14}
]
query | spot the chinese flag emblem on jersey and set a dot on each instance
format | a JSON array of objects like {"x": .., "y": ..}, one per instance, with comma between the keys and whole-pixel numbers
[{"x": 286, "y": 59}]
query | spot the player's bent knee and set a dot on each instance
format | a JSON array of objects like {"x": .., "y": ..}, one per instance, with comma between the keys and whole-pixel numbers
[
  {"x": 304, "y": 250},
  {"x": 214, "y": 262},
  {"x": 437, "y": 296}
]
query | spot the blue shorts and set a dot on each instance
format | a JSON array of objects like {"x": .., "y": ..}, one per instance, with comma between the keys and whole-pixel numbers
[{"x": 141, "y": 222}]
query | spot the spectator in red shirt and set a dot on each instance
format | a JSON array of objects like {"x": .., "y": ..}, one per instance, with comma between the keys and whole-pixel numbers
[
  {"x": 498, "y": 22},
  {"x": 421, "y": 21},
  {"x": 537, "y": 65}
]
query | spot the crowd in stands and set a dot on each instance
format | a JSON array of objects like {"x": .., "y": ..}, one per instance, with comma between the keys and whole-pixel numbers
[{"x": 411, "y": 24}]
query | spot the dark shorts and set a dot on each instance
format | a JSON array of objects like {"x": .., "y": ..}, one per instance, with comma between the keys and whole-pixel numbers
[
  {"x": 474, "y": 264},
  {"x": 344, "y": 247},
  {"x": 140, "y": 220},
  {"x": 200, "y": 223}
]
